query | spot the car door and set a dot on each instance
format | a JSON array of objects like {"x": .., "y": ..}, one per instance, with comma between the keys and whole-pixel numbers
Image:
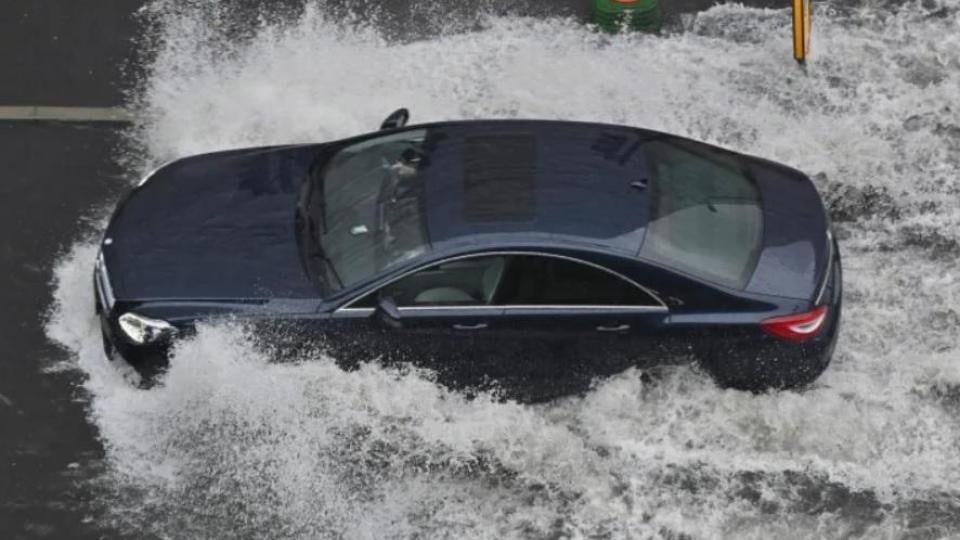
[
  {"x": 567, "y": 321},
  {"x": 443, "y": 319}
]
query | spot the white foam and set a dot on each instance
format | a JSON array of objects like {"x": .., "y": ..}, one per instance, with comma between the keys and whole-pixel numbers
[{"x": 231, "y": 441}]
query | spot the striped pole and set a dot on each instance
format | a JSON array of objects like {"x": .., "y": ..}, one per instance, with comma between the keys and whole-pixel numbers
[{"x": 801, "y": 30}]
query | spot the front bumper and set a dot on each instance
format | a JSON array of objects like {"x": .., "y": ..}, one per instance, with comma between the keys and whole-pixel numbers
[{"x": 147, "y": 359}]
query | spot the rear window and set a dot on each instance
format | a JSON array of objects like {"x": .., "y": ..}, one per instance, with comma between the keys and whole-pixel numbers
[{"x": 706, "y": 218}]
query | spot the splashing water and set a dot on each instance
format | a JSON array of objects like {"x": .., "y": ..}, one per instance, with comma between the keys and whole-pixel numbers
[{"x": 231, "y": 442}]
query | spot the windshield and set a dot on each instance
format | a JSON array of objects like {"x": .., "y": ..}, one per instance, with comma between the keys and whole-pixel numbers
[
  {"x": 361, "y": 209},
  {"x": 706, "y": 218}
]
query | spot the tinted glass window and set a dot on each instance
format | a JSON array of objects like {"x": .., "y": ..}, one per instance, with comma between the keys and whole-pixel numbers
[
  {"x": 362, "y": 208},
  {"x": 544, "y": 281},
  {"x": 463, "y": 282},
  {"x": 706, "y": 218}
]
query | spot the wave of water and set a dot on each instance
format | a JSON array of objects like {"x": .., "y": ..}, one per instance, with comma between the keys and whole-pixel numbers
[{"x": 232, "y": 442}]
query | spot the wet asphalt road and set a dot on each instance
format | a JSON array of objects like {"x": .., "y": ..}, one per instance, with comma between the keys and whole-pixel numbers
[
  {"x": 72, "y": 54},
  {"x": 52, "y": 175}
]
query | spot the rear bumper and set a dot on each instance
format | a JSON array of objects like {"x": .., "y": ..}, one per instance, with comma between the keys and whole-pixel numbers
[
  {"x": 763, "y": 363},
  {"x": 756, "y": 361}
]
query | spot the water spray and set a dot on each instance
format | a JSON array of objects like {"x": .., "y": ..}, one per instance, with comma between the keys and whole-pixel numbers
[{"x": 646, "y": 16}]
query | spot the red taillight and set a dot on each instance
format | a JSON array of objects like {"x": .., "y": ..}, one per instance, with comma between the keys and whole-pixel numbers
[{"x": 797, "y": 328}]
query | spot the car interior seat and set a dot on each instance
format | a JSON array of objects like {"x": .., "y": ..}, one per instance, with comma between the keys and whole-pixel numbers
[
  {"x": 450, "y": 295},
  {"x": 444, "y": 296}
]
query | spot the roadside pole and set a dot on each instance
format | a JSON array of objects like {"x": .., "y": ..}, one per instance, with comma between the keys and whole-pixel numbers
[{"x": 801, "y": 30}]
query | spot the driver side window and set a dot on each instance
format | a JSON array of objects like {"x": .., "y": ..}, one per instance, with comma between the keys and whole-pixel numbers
[{"x": 462, "y": 282}]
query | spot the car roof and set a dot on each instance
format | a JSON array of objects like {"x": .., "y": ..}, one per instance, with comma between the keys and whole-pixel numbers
[
  {"x": 511, "y": 183},
  {"x": 537, "y": 184}
]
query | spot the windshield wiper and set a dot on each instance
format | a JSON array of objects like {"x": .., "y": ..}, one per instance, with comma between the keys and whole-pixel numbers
[
  {"x": 333, "y": 271},
  {"x": 311, "y": 247}
]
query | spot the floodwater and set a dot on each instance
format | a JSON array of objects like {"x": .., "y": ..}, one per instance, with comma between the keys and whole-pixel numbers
[{"x": 231, "y": 443}]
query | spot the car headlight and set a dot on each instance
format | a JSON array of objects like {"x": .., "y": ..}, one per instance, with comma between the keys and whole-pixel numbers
[{"x": 142, "y": 330}]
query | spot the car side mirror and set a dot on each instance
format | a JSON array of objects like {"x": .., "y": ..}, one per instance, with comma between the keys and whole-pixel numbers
[
  {"x": 388, "y": 313},
  {"x": 397, "y": 119}
]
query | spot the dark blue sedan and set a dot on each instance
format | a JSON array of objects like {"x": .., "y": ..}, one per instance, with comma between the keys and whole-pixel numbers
[{"x": 533, "y": 255}]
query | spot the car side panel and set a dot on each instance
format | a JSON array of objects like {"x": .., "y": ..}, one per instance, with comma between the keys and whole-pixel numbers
[
  {"x": 448, "y": 342},
  {"x": 551, "y": 352}
]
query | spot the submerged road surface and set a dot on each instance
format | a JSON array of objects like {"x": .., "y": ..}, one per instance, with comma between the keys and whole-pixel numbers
[{"x": 234, "y": 445}]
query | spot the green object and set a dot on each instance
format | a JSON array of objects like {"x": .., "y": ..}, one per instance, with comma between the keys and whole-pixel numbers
[{"x": 638, "y": 15}]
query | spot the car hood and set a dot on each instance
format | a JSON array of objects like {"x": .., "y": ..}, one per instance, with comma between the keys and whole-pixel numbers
[{"x": 214, "y": 227}]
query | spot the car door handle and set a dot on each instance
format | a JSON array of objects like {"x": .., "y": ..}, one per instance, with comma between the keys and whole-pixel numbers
[
  {"x": 621, "y": 328},
  {"x": 478, "y": 326}
]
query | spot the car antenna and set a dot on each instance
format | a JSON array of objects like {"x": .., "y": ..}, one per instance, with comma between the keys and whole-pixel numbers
[{"x": 396, "y": 120}]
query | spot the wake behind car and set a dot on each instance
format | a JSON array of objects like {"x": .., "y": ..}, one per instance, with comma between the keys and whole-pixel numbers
[{"x": 533, "y": 255}]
